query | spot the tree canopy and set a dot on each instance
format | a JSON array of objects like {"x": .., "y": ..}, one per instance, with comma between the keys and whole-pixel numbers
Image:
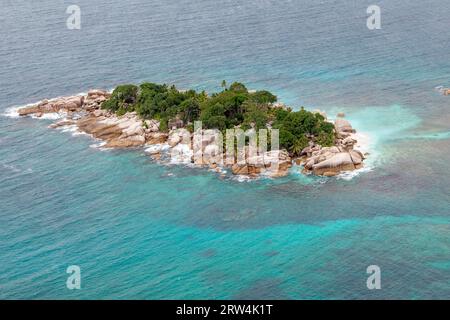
[{"x": 231, "y": 107}]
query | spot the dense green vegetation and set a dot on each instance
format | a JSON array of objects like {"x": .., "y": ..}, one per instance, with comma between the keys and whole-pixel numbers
[
  {"x": 233, "y": 106},
  {"x": 296, "y": 127}
]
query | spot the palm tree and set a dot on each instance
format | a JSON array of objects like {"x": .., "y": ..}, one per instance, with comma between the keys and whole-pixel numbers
[{"x": 297, "y": 147}]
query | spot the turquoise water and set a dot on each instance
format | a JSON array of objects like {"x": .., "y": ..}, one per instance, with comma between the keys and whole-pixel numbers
[{"x": 142, "y": 230}]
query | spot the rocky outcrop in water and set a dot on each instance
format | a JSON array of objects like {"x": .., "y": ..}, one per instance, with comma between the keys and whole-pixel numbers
[
  {"x": 84, "y": 112},
  {"x": 203, "y": 149},
  {"x": 67, "y": 105},
  {"x": 119, "y": 132},
  {"x": 330, "y": 161},
  {"x": 272, "y": 163}
]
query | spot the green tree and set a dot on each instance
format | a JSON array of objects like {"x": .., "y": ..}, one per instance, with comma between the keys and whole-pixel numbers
[
  {"x": 255, "y": 114},
  {"x": 123, "y": 97},
  {"x": 238, "y": 87},
  {"x": 190, "y": 110},
  {"x": 233, "y": 106},
  {"x": 263, "y": 97}
]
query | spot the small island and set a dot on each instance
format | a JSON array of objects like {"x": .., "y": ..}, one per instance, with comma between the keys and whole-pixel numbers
[{"x": 161, "y": 118}]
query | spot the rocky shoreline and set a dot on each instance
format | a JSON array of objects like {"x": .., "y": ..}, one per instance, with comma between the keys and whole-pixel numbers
[{"x": 129, "y": 130}]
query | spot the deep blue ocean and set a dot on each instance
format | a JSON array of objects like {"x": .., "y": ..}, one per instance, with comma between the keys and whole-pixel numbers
[{"x": 142, "y": 230}]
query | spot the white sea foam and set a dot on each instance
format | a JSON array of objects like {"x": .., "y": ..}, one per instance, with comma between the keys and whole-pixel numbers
[
  {"x": 98, "y": 145},
  {"x": 349, "y": 175},
  {"x": 157, "y": 148},
  {"x": 189, "y": 164},
  {"x": 218, "y": 169},
  {"x": 242, "y": 178},
  {"x": 79, "y": 133},
  {"x": 49, "y": 116},
  {"x": 181, "y": 154},
  {"x": 12, "y": 112},
  {"x": 440, "y": 89},
  {"x": 365, "y": 143},
  {"x": 70, "y": 128}
]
